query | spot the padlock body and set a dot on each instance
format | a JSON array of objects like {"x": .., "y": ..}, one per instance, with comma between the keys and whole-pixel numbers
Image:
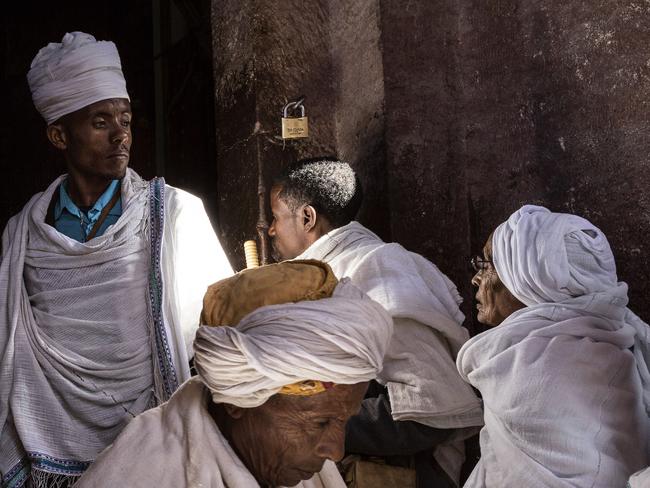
[{"x": 294, "y": 127}]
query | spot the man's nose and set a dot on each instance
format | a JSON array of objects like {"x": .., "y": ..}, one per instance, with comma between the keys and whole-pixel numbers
[
  {"x": 119, "y": 135},
  {"x": 332, "y": 444}
]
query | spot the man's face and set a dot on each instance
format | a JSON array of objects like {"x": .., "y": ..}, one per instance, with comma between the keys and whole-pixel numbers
[
  {"x": 287, "y": 232},
  {"x": 288, "y": 438},
  {"x": 495, "y": 302},
  {"x": 98, "y": 139}
]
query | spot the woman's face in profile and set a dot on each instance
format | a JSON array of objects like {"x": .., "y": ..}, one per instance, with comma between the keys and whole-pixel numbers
[{"x": 494, "y": 301}]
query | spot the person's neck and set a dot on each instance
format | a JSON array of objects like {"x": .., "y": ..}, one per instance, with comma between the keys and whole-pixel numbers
[
  {"x": 84, "y": 191},
  {"x": 224, "y": 424},
  {"x": 322, "y": 227}
]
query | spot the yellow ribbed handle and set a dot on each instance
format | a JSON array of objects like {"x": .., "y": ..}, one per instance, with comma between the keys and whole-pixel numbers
[{"x": 250, "y": 250}]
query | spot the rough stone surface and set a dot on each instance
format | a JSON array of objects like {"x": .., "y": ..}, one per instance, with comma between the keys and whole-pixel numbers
[
  {"x": 454, "y": 114},
  {"x": 425, "y": 164},
  {"x": 555, "y": 99},
  {"x": 359, "y": 104}
]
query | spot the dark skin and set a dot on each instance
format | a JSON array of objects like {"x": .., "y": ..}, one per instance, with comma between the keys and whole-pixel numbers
[
  {"x": 292, "y": 232},
  {"x": 288, "y": 438},
  {"x": 96, "y": 144},
  {"x": 495, "y": 302}
]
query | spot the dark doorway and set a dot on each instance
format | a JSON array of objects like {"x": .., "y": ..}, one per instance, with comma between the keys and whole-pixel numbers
[{"x": 165, "y": 50}]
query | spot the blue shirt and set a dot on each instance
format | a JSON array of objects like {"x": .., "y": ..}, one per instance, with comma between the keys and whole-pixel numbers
[{"x": 77, "y": 223}]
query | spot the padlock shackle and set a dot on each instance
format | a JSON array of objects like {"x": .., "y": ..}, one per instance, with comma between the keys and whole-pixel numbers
[{"x": 294, "y": 106}]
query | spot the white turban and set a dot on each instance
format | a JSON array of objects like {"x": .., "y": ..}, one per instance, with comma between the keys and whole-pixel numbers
[
  {"x": 341, "y": 339},
  {"x": 545, "y": 257},
  {"x": 67, "y": 76}
]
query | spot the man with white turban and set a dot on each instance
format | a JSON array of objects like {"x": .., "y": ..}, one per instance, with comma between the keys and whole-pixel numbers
[
  {"x": 101, "y": 280},
  {"x": 564, "y": 376},
  {"x": 283, "y": 367}
]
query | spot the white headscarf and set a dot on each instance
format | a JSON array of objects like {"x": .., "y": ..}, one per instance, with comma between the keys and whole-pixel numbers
[
  {"x": 341, "y": 339},
  {"x": 67, "y": 76},
  {"x": 545, "y": 257},
  {"x": 556, "y": 374},
  {"x": 558, "y": 263}
]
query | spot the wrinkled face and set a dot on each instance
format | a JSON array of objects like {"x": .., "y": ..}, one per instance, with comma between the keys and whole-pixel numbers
[
  {"x": 495, "y": 302},
  {"x": 288, "y": 439},
  {"x": 98, "y": 139},
  {"x": 288, "y": 235}
]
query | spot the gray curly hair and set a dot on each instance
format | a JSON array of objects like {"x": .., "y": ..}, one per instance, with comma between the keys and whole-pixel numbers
[{"x": 327, "y": 184}]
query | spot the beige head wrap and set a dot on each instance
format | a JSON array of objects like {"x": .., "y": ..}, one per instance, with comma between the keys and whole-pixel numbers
[{"x": 333, "y": 333}]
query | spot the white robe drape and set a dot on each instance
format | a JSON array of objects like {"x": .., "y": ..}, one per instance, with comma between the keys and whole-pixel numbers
[
  {"x": 178, "y": 445},
  {"x": 565, "y": 379},
  {"x": 419, "y": 369},
  {"x": 78, "y": 355}
]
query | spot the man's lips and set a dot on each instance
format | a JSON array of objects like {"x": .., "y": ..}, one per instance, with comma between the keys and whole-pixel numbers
[{"x": 121, "y": 154}]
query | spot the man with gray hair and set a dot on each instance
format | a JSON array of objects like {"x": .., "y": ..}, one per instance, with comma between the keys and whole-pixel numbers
[
  {"x": 101, "y": 280},
  {"x": 420, "y": 404}
]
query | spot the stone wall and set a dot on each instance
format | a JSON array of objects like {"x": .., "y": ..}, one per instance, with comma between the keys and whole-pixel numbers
[{"x": 453, "y": 113}]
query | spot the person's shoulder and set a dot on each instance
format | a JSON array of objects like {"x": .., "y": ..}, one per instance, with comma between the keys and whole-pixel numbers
[
  {"x": 180, "y": 193},
  {"x": 12, "y": 222},
  {"x": 178, "y": 200},
  {"x": 392, "y": 251}
]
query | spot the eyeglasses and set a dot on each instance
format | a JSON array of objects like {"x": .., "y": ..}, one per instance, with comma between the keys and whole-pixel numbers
[{"x": 480, "y": 264}]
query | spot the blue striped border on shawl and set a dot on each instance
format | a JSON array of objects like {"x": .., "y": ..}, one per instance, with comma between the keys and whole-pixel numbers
[
  {"x": 16, "y": 476},
  {"x": 43, "y": 462},
  {"x": 19, "y": 474},
  {"x": 156, "y": 226}
]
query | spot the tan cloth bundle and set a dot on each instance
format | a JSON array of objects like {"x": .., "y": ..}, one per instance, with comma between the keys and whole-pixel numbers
[{"x": 228, "y": 301}]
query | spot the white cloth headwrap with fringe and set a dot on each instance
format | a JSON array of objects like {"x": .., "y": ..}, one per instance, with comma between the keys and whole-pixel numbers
[
  {"x": 79, "y": 71},
  {"x": 341, "y": 339}
]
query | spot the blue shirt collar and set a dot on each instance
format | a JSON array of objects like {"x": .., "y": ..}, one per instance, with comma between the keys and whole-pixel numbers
[{"x": 66, "y": 203}]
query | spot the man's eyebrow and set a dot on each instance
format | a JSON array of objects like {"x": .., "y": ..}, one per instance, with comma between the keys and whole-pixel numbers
[{"x": 104, "y": 113}]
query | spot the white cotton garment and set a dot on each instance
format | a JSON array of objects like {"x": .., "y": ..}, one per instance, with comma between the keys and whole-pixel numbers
[
  {"x": 341, "y": 339},
  {"x": 419, "y": 367},
  {"x": 640, "y": 479},
  {"x": 178, "y": 445},
  {"x": 77, "y": 343},
  {"x": 67, "y": 76},
  {"x": 564, "y": 380}
]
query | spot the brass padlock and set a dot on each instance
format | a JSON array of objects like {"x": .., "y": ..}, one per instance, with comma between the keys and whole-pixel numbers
[{"x": 294, "y": 127}]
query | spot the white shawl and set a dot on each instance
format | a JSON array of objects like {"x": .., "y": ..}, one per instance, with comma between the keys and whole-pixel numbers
[
  {"x": 77, "y": 337},
  {"x": 564, "y": 379},
  {"x": 178, "y": 445},
  {"x": 419, "y": 369},
  {"x": 640, "y": 479}
]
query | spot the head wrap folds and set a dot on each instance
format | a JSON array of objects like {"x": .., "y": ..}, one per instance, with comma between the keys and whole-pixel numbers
[
  {"x": 341, "y": 339},
  {"x": 546, "y": 257},
  {"x": 67, "y": 76}
]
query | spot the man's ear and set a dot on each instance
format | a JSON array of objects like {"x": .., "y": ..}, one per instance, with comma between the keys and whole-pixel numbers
[
  {"x": 57, "y": 135},
  {"x": 309, "y": 217},
  {"x": 233, "y": 411}
]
